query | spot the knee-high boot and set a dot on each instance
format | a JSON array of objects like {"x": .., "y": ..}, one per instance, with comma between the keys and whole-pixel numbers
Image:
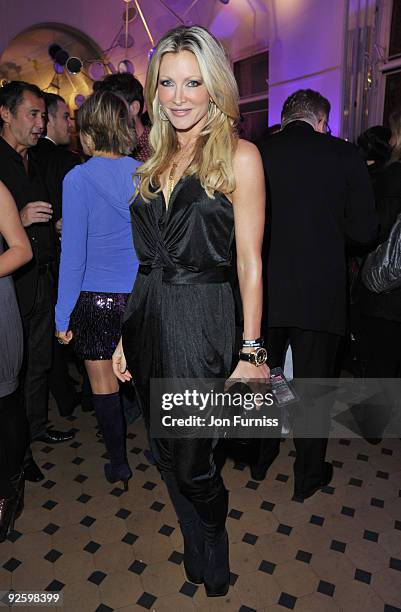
[
  {"x": 110, "y": 417},
  {"x": 191, "y": 530},
  {"x": 213, "y": 513}
]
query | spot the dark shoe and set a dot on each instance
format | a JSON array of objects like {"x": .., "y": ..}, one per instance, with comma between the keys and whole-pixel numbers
[
  {"x": 52, "y": 436},
  {"x": 8, "y": 512},
  {"x": 194, "y": 550},
  {"x": 328, "y": 475},
  {"x": 217, "y": 569},
  {"x": 374, "y": 441},
  {"x": 32, "y": 472},
  {"x": 263, "y": 454},
  {"x": 114, "y": 474},
  {"x": 257, "y": 475}
]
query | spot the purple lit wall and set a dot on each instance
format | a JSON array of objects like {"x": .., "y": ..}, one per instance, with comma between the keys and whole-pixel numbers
[{"x": 306, "y": 51}]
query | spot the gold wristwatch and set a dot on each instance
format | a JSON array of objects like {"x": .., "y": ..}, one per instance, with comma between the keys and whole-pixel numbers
[{"x": 257, "y": 357}]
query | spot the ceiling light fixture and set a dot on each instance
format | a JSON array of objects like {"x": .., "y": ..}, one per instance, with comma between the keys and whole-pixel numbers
[{"x": 74, "y": 65}]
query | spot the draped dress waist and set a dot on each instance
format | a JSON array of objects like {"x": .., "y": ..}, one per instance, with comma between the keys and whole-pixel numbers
[{"x": 180, "y": 317}]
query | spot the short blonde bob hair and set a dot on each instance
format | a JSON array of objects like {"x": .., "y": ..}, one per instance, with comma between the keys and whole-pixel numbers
[
  {"x": 213, "y": 160},
  {"x": 104, "y": 120}
]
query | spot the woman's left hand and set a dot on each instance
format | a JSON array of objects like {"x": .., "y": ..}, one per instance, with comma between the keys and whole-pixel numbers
[
  {"x": 248, "y": 372},
  {"x": 64, "y": 337}
]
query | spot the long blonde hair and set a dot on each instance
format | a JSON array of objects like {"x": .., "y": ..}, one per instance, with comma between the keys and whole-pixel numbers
[{"x": 213, "y": 160}]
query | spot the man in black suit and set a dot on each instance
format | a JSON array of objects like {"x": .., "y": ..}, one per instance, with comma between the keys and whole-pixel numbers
[
  {"x": 319, "y": 195},
  {"x": 22, "y": 115},
  {"x": 52, "y": 154},
  {"x": 55, "y": 160}
]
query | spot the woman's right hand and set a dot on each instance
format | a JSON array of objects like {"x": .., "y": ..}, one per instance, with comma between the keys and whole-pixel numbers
[
  {"x": 120, "y": 364},
  {"x": 64, "y": 337}
]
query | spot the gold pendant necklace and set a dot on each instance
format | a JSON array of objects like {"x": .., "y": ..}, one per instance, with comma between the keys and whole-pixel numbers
[{"x": 170, "y": 181}]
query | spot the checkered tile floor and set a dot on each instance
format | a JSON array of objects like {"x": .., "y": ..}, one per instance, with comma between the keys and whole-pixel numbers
[{"x": 108, "y": 550}]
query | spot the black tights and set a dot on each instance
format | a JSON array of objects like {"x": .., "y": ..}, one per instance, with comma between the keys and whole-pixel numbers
[{"x": 13, "y": 440}]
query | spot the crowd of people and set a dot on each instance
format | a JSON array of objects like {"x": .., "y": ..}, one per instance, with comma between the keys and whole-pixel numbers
[{"x": 123, "y": 256}]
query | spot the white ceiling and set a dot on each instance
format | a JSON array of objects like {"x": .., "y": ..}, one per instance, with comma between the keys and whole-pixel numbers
[{"x": 88, "y": 29}]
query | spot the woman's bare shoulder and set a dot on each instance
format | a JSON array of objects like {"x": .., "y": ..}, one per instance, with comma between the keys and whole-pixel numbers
[{"x": 246, "y": 152}]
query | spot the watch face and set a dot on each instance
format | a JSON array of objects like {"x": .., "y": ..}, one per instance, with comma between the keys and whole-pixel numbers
[{"x": 261, "y": 356}]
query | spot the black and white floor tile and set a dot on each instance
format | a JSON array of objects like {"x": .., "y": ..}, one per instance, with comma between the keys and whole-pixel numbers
[{"x": 107, "y": 550}]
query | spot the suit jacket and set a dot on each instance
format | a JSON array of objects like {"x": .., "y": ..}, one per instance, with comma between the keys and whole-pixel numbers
[
  {"x": 318, "y": 195},
  {"x": 54, "y": 163},
  {"x": 27, "y": 187}
]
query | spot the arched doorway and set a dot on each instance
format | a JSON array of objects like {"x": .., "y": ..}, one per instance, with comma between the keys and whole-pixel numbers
[{"x": 26, "y": 58}]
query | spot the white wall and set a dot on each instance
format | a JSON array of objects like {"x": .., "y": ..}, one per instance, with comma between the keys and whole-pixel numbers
[{"x": 306, "y": 51}]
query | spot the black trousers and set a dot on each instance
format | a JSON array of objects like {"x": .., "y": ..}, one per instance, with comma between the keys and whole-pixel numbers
[
  {"x": 38, "y": 337},
  {"x": 189, "y": 462},
  {"x": 13, "y": 440},
  {"x": 60, "y": 382},
  {"x": 314, "y": 356},
  {"x": 382, "y": 339},
  {"x": 384, "y": 347}
]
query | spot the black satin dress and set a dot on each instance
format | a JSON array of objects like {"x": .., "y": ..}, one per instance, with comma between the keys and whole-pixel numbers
[{"x": 180, "y": 319}]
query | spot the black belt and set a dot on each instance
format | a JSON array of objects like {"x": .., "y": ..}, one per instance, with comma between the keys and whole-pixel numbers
[{"x": 182, "y": 276}]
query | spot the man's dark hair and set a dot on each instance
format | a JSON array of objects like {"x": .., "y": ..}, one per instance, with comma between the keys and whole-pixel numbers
[
  {"x": 97, "y": 86},
  {"x": 307, "y": 105},
  {"x": 51, "y": 101},
  {"x": 124, "y": 84},
  {"x": 12, "y": 95},
  {"x": 374, "y": 143}
]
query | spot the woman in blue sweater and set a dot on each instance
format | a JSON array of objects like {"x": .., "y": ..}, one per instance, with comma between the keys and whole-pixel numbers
[{"x": 98, "y": 262}]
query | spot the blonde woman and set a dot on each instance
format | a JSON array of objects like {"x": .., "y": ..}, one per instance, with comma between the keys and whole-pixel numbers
[{"x": 199, "y": 184}]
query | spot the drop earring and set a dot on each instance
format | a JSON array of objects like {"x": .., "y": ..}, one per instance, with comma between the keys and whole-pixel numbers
[
  {"x": 162, "y": 114},
  {"x": 211, "y": 109}
]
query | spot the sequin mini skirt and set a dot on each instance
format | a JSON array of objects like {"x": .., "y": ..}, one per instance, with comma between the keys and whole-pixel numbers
[{"x": 96, "y": 323}]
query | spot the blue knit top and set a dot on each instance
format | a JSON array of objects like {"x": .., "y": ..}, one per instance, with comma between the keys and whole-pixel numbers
[{"x": 97, "y": 252}]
